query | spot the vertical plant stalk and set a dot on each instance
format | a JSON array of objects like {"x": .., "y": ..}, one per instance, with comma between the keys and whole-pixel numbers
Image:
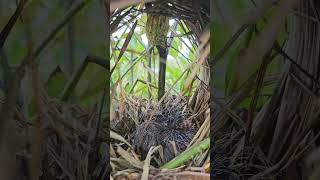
[
  {"x": 36, "y": 134},
  {"x": 8, "y": 138},
  {"x": 69, "y": 41},
  {"x": 107, "y": 90},
  {"x": 131, "y": 70},
  {"x": 163, "y": 53},
  {"x": 157, "y": 28},
  {"x": 259, "y": 82},
  {"x": 125, "y": 46},
  {"x": 150, "y": 67}
]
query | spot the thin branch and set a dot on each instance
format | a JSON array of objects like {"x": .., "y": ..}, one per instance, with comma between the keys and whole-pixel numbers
[
  {"x": 124, "y": 47},
  {"x": 7, "y": 29},
  {"x": 259, "y": 83},
  {"x": 68, "y": 90}
]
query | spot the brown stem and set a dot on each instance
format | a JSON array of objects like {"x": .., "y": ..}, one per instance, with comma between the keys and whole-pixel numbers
[{"x": 163, "y": 53}]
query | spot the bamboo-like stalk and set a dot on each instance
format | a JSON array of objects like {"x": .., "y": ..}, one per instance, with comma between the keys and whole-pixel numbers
[{"x": 188, "y": 154}]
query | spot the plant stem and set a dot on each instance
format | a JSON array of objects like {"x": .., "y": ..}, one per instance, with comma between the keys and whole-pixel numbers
[{"x": 187, "y": 154}]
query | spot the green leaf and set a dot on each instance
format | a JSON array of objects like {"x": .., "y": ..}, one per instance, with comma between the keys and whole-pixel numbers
[{"x": 56, "y": 84}]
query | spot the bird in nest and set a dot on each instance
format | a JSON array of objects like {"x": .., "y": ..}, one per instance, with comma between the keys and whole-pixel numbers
[{"x": 171, "y": 127}]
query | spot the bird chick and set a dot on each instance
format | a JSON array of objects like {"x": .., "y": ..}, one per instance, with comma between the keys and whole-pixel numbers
[{"x": 165, "y": 127}]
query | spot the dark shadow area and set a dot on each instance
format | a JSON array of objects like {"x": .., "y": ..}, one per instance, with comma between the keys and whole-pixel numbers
[
  {"x": 265, "y": 73},
  {"x": 54, "y": 77}
]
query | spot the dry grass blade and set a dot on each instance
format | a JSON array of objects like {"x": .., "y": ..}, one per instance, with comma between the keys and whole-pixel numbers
[
  {"x": 202, "y": 132},
  {"x": 125, "y": 46},
  {"x": 192, "y": 175},
  {"x": 195, "y": 70},
  {"x": 59, "y": 162},
  {"x": 146, "y": 165},
  {"x": 118, "y": 137},
  {"x": 128, "y": 157},
  {"x": 128, "y": 70}
]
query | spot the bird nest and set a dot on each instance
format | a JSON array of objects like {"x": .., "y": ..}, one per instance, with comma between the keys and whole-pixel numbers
[
  {"x": 231, "y": 158},
  {"x": 150, "y": 134},
  {"x": 73, "y": 140}
]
